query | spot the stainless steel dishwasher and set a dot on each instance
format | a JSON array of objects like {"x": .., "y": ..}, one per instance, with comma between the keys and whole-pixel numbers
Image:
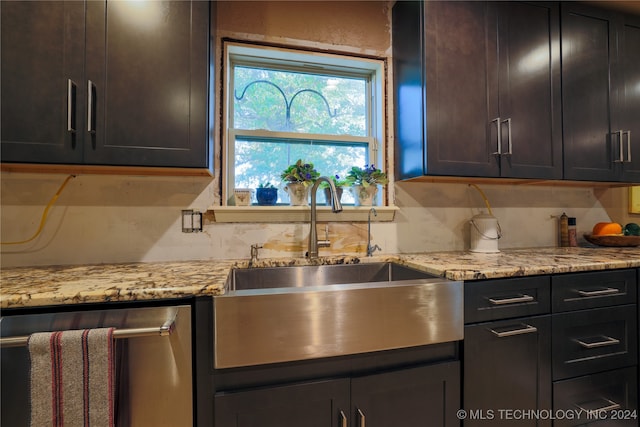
[{"x": 154, "y": 362}]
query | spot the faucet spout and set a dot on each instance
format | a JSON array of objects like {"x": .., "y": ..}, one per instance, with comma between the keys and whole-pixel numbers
[
  {"x": 371, "y": 249},
  {"x": 336, "y": 207}
]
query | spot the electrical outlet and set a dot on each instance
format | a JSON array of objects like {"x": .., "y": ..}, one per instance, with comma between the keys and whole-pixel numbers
[{"x": 191, "y": 221}]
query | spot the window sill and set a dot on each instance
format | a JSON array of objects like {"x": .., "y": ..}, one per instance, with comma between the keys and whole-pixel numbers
[{"x": 266, "y": 214}]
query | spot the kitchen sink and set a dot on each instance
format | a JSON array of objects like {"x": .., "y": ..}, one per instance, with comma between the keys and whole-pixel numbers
[
  {"x": 241, "y": 279},
  {"x": 282, "y": 314}
]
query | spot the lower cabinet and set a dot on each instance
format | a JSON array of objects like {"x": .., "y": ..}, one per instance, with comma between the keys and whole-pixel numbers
[
  {"x": 602, "y": 399},
  {"x": 313, "y": 404},
  {"x": 507, "y": 367},
  {"x": 557, "y": 350},
  {"x": 424, "y": 396},
  {"x": 413, "y": 397}
]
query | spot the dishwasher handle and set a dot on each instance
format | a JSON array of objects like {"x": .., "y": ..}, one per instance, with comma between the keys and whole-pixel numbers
[{"x": 165, "y": 330}]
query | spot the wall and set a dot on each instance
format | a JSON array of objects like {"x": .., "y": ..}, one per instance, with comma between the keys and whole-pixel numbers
[{"x": 104, "y": 219}]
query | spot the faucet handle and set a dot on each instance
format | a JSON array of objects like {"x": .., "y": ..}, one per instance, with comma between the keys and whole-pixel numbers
[
  {"x": 254, "y": 251},
  {"x": 372, "y": 249}
]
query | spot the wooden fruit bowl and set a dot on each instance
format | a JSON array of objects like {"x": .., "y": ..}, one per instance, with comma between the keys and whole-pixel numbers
[{"x": 613, "y": 240}]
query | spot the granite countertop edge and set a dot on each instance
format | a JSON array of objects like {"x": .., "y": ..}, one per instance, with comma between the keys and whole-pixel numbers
[{"x": 61, "y": 285}]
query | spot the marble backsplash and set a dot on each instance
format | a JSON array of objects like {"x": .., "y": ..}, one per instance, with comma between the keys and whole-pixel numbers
[{"x": 109, "y": 219}]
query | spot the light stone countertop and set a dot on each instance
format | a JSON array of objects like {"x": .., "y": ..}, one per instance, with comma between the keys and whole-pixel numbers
[{"x": 60, "y": 285}]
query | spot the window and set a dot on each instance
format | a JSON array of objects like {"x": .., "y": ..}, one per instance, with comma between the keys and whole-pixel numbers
[{"x": 283, "y": 105}]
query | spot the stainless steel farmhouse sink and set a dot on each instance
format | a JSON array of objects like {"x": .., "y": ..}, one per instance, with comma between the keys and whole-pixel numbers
[{"x": 280, "y": 314}]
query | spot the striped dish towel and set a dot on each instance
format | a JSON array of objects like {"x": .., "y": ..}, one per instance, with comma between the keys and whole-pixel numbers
[{"x": 72, "y": 378}]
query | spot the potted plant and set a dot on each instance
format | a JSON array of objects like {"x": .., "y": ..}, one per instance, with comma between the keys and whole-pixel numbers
[
  {"x": 266, "y": 194},
  {"x": 299, "y": 177},
  {"x": 364, "y": 182},
  {"x": 339, "y": 183}
]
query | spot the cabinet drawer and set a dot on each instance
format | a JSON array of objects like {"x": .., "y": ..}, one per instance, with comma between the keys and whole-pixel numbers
[
  {"x": 506, "y": 298},
  {"x": 583, "y": 397},
  {"x": 594, "y": 340},
  {"x": 593, "y": 290}
]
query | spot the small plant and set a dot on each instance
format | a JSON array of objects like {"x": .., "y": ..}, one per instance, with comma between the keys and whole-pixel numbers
[
  {"x": 337, "y": 181},
  {"x": 300, "y": 172},
  {"x": 369, "y": 175},
  {"x": 266, "y": 185}
]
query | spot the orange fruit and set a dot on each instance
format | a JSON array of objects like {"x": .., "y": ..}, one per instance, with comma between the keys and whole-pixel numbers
[{"x": 606, "y": 228}]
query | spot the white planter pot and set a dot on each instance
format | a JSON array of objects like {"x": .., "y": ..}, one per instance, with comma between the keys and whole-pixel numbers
[
  {"x": 298, "y": 194},
  {"x": 364, "y": 196}
]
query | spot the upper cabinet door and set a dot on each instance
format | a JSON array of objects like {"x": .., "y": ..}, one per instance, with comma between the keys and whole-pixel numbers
[
  {"x": 147, "y": 76},
  {"x": 627, "y": 117},
  {"x": 42, "y": 60},
  {"x": 461, "y": 89},
  {"x": 529, "y": 88},
  {"x": 588, "y": 46},
  {"x": 601, "y": 100}
]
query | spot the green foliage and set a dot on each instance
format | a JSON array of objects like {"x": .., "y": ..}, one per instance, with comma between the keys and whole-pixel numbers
[
  {"x": 337, "y": 181},
  {"x": 369, "y": 175},
  {"x": 302, "y": 172},
  {"x": 266, "y": 185},
  {"x": 263, "y": 106}
]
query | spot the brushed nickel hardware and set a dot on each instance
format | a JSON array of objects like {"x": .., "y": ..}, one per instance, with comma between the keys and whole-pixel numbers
[
  {"x": 336, "y": 207},
  {"x": 362, "y": 418},
  {"x": 499, "y": 131},
  {"x": 599, "y": 292},
  {"x": 605, "y": 343},
  {"x": 511, "y": 300},
  {"x": 628, "y": 133},
  {"x": 510, "y": 151},
  {"x": 610, "y": 407},
  {"x": 71, "y": 106},
  {"x": 91, "y": 113},
  {"x": 343, "y": 419},
  {"x": 164, "y": 330},
  {"x": 371, "y": 249},
  {"x": 620, "y": 147},
  {"x": 528, "y": 329}
]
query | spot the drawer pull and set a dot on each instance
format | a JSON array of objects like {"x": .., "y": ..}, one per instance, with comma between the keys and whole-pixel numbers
[
  {"x": 611, "y": 406},
  {"x": 607, "y": 342},
  {"x": 527, "y": 329},
  {"x": 511, "y": 300},
  {"x": 599, "y": 292}
]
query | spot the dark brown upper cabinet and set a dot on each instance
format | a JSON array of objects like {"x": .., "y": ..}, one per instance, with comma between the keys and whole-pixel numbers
[
  {"x": 477, "y": 89},
  {"x": 601, "y": 96},
  {"x": 121, "y": 83},
  {"x": 601, "y": 99}
]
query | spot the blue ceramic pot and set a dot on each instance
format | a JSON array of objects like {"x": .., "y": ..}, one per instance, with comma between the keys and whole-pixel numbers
[{"x": 267, "y": 196}]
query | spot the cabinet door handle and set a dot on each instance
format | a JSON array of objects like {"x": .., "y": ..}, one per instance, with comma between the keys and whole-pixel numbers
[
  {"x": 609, "y": 406},
  {"x": 91, "y": 107},
  {"x": 497, "y": 121},
  {"x": 628, "y": 133},
  {"x": 511, "y": 300},
  {"x": 604, "y": 343},
  {"x": 362, "y": 418},
  {"x": 71, "y": 106},
  {"x": 528, "y": 329},
  {"x": 599, "y": 292},
  {"x": 343, "y": 419},
  {"x": 620, "y": 147},
  {"x": 508, "y": 122}
]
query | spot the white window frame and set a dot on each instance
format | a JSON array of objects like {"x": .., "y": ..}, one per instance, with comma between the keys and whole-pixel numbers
[{"x": 296, "y": 59}]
